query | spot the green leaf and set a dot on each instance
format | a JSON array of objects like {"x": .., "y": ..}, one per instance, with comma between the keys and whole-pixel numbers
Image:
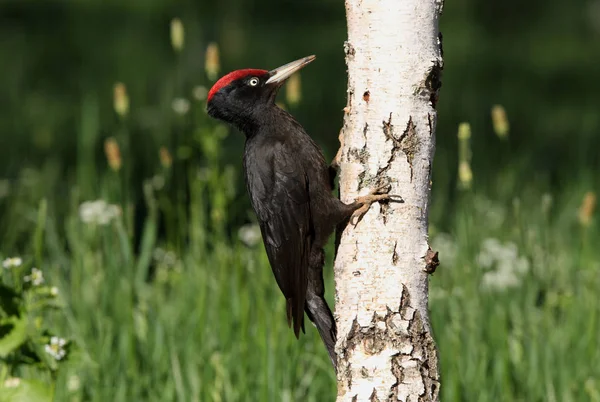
[
  {"x": 25, "y": 391},
  {"x": 15, "y": 334}
]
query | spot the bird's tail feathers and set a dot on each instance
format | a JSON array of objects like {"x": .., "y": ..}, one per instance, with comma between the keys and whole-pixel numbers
[
  {"x": 319, "y": 313},
  {"x": 297, "y": 324}
]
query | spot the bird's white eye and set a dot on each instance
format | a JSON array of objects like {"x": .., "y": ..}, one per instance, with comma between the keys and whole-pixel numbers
[{"x": 253, "y": 81}]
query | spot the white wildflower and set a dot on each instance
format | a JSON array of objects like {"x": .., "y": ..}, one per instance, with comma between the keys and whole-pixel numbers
[
  {"x": 505, "y": 268},
  {"x": 36, "y": 277},
  {"x": 249, "y": 235},
  {"x": 56, "y": 348},
  {"x": 12, "y": 262},
  {"x": 499, "y": 280},
  {"x": 169, "y": 258},
  {"x": 180, "y": 106},
  {"x": 90, "y": 210},
  {"x": 12, "y": 382},
  {"x": 490, "y": 249},
  {"x": 98, "y": 212},
  {"x": 54, "y": 291},
  {"x": 111, "y": 212}
]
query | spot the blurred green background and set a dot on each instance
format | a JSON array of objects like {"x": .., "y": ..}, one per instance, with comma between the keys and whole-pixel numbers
[{"x": 171, "y": 297}]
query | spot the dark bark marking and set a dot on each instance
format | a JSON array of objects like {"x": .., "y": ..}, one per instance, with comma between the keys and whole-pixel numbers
[
  {"x": 404, "y": 304},
  {"x": 366, "y": 96},
  {"x": 353, "y": 336},
  {"x": 385, "y": 210},
  {"x": 398, "y": 372},
  {"x": 425, "y": 352},
  {"x": 409, "y": 144},
  {"x": 382, "y": 177},
  {"x": 429, "y": 176},
  {"x": 395, "y": 254},
  {"x": 430, "y": 123},
  {"x": 349, "y": 51},
  {"x": 374, "y": 338},
  {"x": 362, "y": 176},
  {"x": 360, "y": 154},
  {"x": 433, "y": 82},
  {"x": 388, "y": 132}
]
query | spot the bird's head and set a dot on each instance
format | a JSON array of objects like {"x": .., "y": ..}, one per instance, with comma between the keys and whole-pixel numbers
[{"x": 243, "y": 96}]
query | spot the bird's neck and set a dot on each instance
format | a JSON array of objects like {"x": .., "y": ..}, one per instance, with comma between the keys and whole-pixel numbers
[
  {"x": 248, "y": 127},
  {"x": 265, "y": 122}
]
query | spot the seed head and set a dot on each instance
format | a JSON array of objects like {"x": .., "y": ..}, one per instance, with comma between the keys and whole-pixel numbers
[
  {"x": 211, "y": 61},
  {"x": 177, "y": 34},
  {"x": 113, "y": 154},
  {"x": 500, "y": 121},
  {"x": 587, "y": 208},
  {"x": 120, "y": 99},
  {"x": 166, "y": 160}
]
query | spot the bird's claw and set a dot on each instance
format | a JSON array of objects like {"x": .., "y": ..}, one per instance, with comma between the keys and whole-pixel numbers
[
  {"x": 382, "y": 189},
  {"x": 358, "y": 214},
  {"x": 379, "y": 194}
]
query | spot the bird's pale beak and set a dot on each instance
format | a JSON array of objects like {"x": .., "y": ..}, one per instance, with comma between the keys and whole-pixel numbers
[{"x": 280, "y": 74}]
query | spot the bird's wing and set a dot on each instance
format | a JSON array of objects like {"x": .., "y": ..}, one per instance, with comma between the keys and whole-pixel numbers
[{"x": 285, "y": 221}]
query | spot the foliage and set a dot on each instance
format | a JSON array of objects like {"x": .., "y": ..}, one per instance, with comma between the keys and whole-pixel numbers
[
  {"x": 194, "y": 314},
  {"x": 27, "y": 346},
  {"x": 138, "y": 215}
]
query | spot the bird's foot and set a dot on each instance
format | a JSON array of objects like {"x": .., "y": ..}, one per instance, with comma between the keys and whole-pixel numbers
[
  {"x": 335, "y": 163},
  {"x": 366, "y": 201}
]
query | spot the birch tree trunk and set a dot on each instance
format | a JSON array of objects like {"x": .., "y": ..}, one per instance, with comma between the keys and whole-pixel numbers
[{"x": 385, "y": 347}]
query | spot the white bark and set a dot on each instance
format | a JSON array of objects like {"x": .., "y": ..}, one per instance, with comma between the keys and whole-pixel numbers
[{"x": 385, "y": 347}]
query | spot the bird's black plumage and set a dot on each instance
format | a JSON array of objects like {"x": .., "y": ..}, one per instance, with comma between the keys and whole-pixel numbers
[
  {"x": 288, "y": 183},
  {"x": 290, "y": 189}
]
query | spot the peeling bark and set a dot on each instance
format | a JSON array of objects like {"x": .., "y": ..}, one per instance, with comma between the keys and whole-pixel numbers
[
  {"x": 431, "y": 261},
  {"x": 385, "y": 347}
]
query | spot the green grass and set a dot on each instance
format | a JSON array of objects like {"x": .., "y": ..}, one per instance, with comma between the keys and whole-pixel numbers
[
  {"x": 536, "y": 341},
  {"x": 195, "y": 314},
  {"x": 211, "y": 326},
  {"x": 210, "y": 323}
]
